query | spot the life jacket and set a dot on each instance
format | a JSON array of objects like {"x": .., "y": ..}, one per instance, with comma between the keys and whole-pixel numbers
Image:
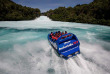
[
  {"x": 53, "y": 37},
  {"x": 51, "y": 34},
  {"x": 66, "y": 33},
  {"x": 62, "y": 33}
]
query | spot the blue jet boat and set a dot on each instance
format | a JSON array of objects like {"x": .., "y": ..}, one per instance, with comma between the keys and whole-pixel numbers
[{"x": 66, "y": 45}]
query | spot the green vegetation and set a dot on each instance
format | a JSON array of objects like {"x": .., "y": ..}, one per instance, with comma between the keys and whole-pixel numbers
[
  {"x": 12, "y": 11},
  {"x": 97, "y": 12}
]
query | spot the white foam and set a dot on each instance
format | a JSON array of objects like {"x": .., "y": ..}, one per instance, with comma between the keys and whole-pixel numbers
[
  {"x": 39, "y": 57},
  {"x": 41, "y": 22},
  {"x": 97, "y": 54}
]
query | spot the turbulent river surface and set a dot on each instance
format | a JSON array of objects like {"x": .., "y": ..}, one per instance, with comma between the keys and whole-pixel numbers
[{"x": 24, "y": 48}]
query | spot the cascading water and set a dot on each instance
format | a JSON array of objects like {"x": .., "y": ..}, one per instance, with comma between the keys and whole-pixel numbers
[{"x": 24, "y": 48}]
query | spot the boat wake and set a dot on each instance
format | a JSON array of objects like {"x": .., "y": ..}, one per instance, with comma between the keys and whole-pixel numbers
[{"x": 38, "y": 57}]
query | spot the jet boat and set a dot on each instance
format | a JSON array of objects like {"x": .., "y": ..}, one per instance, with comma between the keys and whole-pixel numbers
[{"x": 65, "y": 44}]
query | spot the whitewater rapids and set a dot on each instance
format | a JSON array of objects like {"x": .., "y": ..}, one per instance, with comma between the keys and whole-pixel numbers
[{"x": 24, "y": 48}]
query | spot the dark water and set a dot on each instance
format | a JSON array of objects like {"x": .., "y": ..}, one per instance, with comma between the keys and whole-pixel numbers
[{"x": 24, "y": 48}]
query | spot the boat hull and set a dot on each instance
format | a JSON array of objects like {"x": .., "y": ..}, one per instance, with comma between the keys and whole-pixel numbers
[{"x": 65, "y": 49}]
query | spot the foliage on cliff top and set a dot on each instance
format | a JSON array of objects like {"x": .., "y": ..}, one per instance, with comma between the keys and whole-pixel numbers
[
  {"x": 97, "y": 12},
  {"x": 12, "y": 11}
]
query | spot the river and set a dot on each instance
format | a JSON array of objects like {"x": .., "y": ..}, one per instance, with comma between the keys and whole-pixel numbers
[{"x": 24, "y": 48}]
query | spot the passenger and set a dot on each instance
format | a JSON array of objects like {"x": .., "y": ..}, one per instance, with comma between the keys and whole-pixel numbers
[
  {"x": 55, "y": 34},
  {"x": 59, "y": 32},
  {"x": 51, "y": 33},
  {"x": 62, "y": 33},
  {"x": 65, "y": 32},
  {"x": 53, "y": 37},
  {"x": 58, "y": 35}
]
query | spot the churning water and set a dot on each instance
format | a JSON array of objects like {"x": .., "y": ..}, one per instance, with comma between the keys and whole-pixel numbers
[{"x": 24, "y": 48}]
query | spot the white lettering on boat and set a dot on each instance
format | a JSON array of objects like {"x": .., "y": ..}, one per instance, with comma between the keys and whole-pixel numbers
[
  {"x": 66, "y": 46},
  {"x": 67, "y": 42}
]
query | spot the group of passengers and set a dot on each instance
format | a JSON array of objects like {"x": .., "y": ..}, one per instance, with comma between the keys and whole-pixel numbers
[{"x": 56, "y": 35}]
